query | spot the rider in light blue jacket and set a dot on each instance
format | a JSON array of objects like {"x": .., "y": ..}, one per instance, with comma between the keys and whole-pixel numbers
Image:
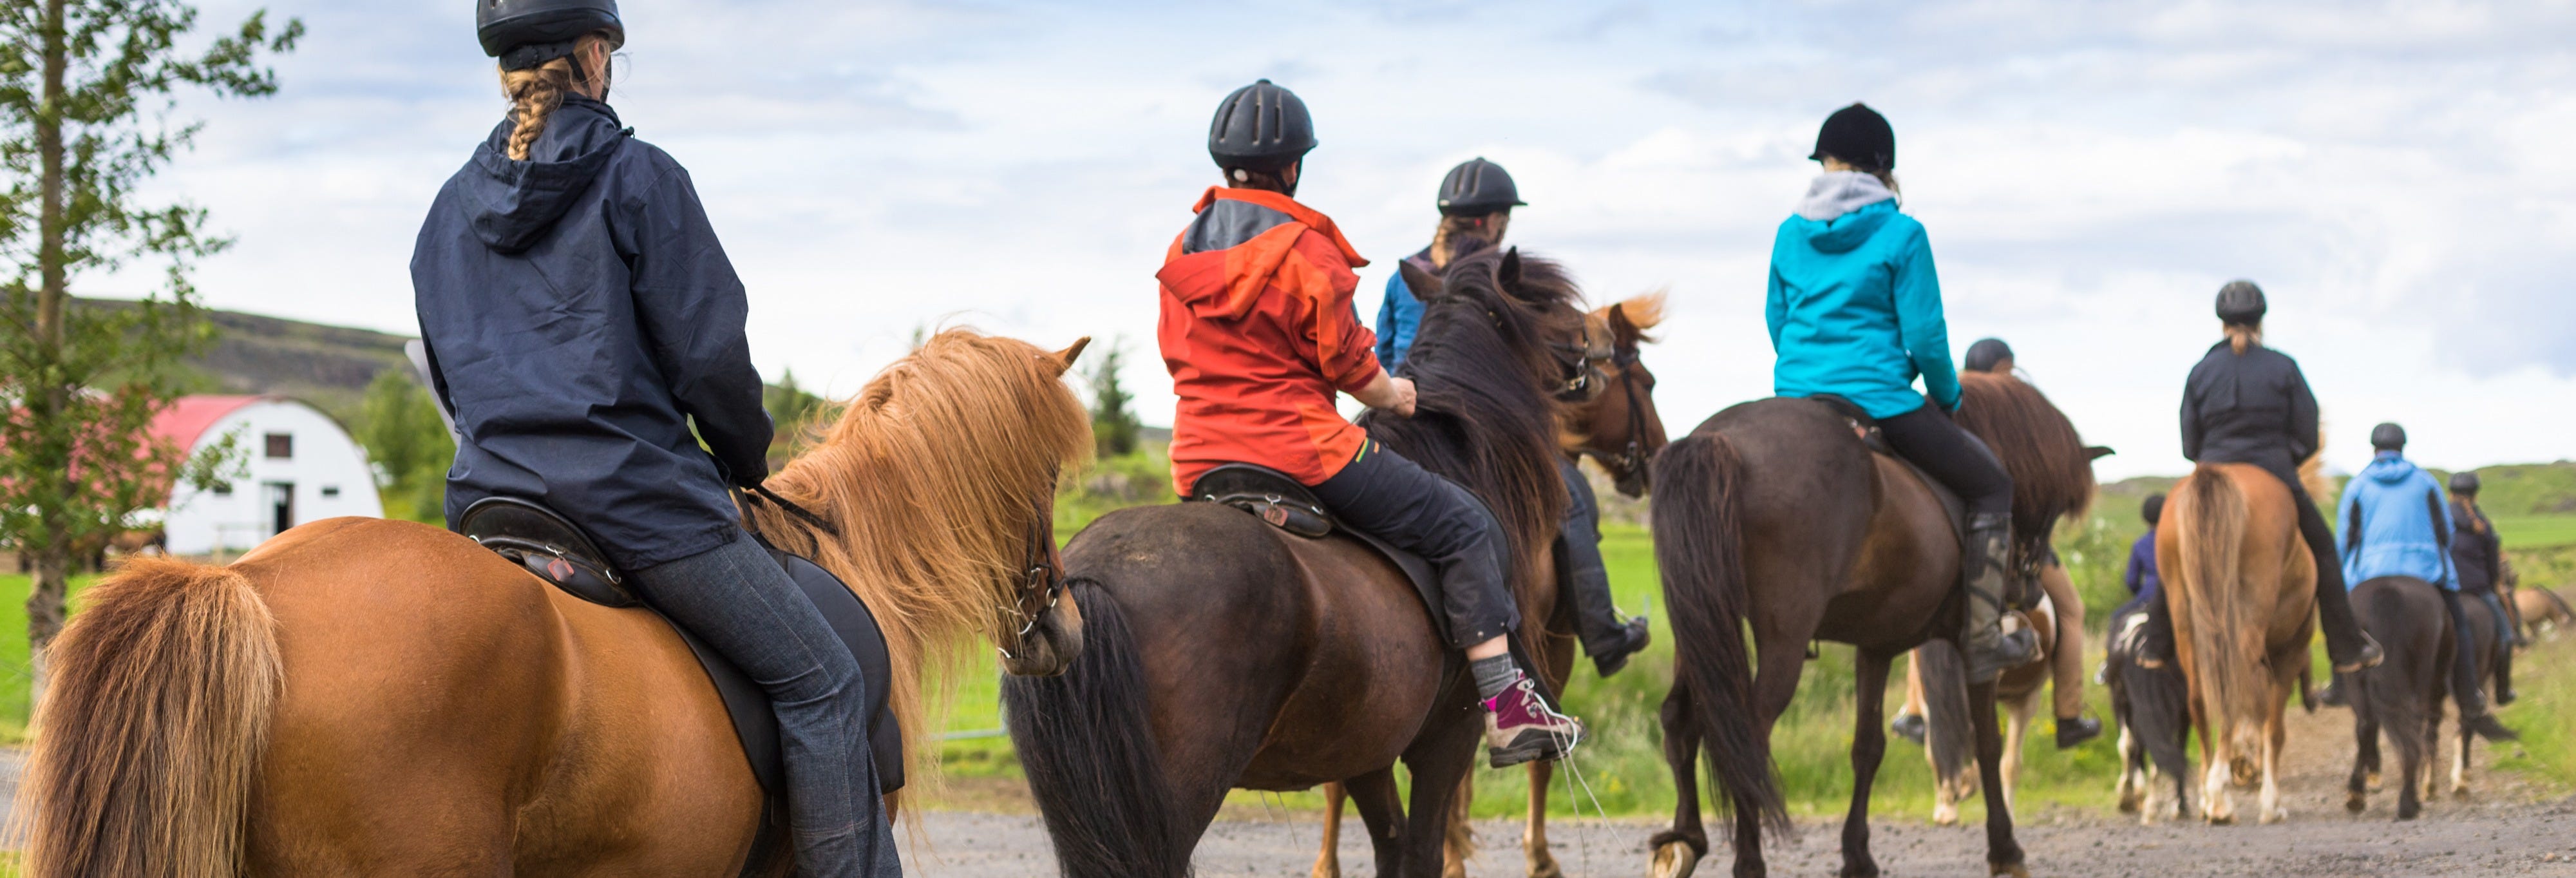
[{"x": 2396, "y": 522}]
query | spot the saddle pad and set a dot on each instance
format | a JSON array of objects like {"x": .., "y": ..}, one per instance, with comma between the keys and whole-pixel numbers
[{"x": 1281, "y": 502}]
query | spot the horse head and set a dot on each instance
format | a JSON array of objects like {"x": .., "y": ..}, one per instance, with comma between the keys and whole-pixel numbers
[{"x": 1621, "y": 428}]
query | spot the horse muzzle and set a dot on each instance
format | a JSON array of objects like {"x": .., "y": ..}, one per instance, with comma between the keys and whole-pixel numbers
[{"x": 1047, "y": 648}]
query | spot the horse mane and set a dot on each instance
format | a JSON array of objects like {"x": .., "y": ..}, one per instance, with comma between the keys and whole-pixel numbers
[
  {"x": 2051, "y": 473},
  {"x": 1484, "y": 419},
  {"x": 1644, "y": 311},
  {"x": 932, "y": 475}
]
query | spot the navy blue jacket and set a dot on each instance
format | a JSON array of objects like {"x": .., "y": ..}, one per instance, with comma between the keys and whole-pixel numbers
[
  {"x": 2142, "y": 579},
  {"x": 579, "y": 314}
]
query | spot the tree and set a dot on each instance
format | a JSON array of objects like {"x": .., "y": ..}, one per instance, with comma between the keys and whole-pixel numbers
[
  {"x": 1114, "y": 429},
  {"x": 87, "y": 95},
  {"x": 399, "y": 426},
  {"x": 793, "y": 412}
]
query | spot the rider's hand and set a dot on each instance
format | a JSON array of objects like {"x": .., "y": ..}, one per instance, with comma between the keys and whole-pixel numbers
[
  {"x": 1404, "y": 398},
  {"x": 1389, "y": 393}
]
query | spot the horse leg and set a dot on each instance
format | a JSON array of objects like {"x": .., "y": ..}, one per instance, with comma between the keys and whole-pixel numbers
[
  {"x": 2460, "y": 764},
  {"x": 1328, "y": 861},
  {"x": 1677, "y": 850},
  {"x": 2132, "y": 780},
  {"x": 1775, "y": 684},
  {"x": 2021, "y": 709},
  {"x": 1382, "y": 813},
  {"x": 2003, "y": 854},
  {"x": 2276, "y": 736},
  {"x": 2217, "y": 771},
  {"x": 1869, "y": 745},
  {"x": 1458, "y": 840},
  {"x": 2365, "y": 739},
  {"x": 1542, "y": 864},
  {"x": 1438, "y": 765}
]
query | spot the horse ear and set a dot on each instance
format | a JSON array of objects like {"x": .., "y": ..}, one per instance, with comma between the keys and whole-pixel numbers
[
  {"x": 1510, "y": 272},
  {"x": 1064, "y": 358},
  {"x": 1424, "y": 286},
  {"x": 2097, "y": 452},
  {"x": 1622, "y": 329}
]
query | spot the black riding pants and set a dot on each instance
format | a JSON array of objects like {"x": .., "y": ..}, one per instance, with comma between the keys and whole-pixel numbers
[
  {"x": 2466, "y": 689},
  {"x": 1384, "y": 494},
  {"x": 2504, "y": 637},
  {"x": 1950, "y": 455},
  {"x": 1596, "y": 616}
]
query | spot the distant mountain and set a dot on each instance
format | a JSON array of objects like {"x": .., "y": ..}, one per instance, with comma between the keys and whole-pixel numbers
[{"x": 327, "y": 366}]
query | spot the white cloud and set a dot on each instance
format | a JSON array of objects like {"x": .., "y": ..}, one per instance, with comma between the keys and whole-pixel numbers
[{"x": 2392, "y": 172}]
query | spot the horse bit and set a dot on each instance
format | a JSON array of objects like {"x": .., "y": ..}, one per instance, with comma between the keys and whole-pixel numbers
[{"x": 1038, "y": 575}]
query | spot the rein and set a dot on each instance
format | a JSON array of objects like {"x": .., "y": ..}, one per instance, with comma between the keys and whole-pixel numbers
[
  {"x": 1633, "y": 458},
  {"x": 1038, "y": 576},
  {"x": 1576, "y": 362},
  {"x": 759, "y": 493}
]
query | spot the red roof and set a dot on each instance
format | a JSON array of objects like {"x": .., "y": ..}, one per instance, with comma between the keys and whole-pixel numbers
[{"x": 188, "y": 417}]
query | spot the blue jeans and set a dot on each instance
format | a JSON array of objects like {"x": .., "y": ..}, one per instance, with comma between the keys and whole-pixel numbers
[{"x": 737, "y": 599}]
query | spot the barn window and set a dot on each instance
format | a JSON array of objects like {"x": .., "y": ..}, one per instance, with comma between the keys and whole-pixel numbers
[
  {"x": 281, "y": 446},
  {"x": 330, "y": 490},
  {"x": 223, "y": 489}
]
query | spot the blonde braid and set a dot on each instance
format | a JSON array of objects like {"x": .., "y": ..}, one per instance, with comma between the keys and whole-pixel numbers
[{"x": 537, "y": 92}]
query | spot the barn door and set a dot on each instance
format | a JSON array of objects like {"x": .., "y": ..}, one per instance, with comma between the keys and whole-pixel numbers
[{"x": 281, "y": 506}]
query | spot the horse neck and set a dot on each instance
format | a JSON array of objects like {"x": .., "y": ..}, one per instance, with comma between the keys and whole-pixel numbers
[{"x": 1505, "y": 445}]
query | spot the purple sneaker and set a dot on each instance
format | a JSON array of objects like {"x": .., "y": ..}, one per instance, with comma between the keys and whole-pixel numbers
[{"x": 1520, "y": 727}]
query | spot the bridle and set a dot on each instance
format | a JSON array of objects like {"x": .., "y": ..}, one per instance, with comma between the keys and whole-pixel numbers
[
  {"x": 1576, "y": 363},
  {"x": 1039, "y": 576},
  {"x": 1633, "y": 459}
]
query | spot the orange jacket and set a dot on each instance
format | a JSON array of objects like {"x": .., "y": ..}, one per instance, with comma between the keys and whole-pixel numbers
[{"x": 1258, "y": 332}]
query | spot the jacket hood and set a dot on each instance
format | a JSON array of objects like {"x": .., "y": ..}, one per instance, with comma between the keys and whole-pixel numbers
[
  {"x": 1237, "y": 246},
  {"x": 511, "y": 203},
  {"x": 2390, "y": 469},
  {"x": 1834, "y": 193},
  {"x": 1847, "y": 231}
]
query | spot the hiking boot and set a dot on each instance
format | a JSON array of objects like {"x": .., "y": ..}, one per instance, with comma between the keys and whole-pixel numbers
[
  {"x": 1520, "y": 727},
  {"x": 1632, "y": 638},
  {"x": 2332, "y": 695},
  {"x": 2506, "y": 696},
  {"x": 1989, "y": 649},
  {"x": 1908, "y": 726},
  {"x": 2072, "y": 732},
  {"x": 2369, "y": 657},
  {"x": 2486, "y": 726}
]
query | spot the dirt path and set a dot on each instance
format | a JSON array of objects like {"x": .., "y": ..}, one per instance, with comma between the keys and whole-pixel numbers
[{"x": 2508, "y": 828}]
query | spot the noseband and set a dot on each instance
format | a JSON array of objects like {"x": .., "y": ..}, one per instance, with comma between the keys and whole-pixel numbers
[
  {"x": 1576, "y": 363},
  {"x": 1631, "y": 460},
  {"x": 1039, "y": 577}
]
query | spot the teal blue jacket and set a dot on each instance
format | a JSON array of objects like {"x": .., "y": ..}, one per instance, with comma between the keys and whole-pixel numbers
[{"x": 1855, "y": 311}]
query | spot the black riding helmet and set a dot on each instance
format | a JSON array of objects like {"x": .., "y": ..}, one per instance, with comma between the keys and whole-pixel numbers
[
  {"x": 1987, "y": 352},
  {"x": 1860, "y": 137},
  {"x": 2388, "y": 437},
  {"x": 2240, "y": 303},
  {"x": 1260, "y": 127},
  {"x": 526, "y": 33},
  {"x": 1476, "y": 187},
  {"x": 2153, "y": 510},
  {"x": 2464, "y": 483}
]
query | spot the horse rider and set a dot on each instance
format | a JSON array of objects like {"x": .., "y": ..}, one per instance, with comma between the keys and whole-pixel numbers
[
  {"x": 2066, "y": 664},
  {"x": 579, "y": 316},
  {"x": 1259, "y": 334},
  {"x": 2246, "y": 403},
  {"x": 2145, "y": 585},
  {"x": 1854, "y": 310},
  {"x": 2477, "y": 558},
  {"x": 1476, "y": 202},
  {"x": 2396, "y": 523}
]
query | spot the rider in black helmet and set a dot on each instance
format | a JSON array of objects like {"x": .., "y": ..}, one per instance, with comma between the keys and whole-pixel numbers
[
  {"x": 2477, "y": 556},
  {"x": 1476, "y": 201},
  {"x": 2246, "y": 403},
  {"x": 580, "y": 316}
]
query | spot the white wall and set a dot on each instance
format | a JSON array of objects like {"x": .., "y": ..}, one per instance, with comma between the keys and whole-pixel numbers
[{"x": 324, "y": 458}]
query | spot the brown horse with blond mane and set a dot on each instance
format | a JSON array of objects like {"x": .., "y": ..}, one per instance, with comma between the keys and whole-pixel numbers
[
  {"x": 361, "y": 696},
  {"x": 2241, "y": 588}
]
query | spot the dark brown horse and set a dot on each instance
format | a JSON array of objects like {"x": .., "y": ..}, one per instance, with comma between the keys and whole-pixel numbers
[
  {"x": 2403, "y": 695},
  {"x": 1620, "y": 429},
  {"x": 1223, "y": 653},
  {"x": 1775, "y": 512}
]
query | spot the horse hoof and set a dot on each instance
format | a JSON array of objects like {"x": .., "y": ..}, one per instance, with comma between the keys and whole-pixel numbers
[
  {"x": 2012, "y": 870},
  {"x": 1945, "y": 818},
  {"x": 2460, "y": 793},
  {"x": 2222, "y": 820},
  {"x": 2371, "y": 780},
  {"x": 2356, "y": 803},
  {"x": 2273, "y": 816},
  {"x": 1545, "y": 869},
  {"x": 1675, "y": 859},
  {"x": 1864, "y": 870}
]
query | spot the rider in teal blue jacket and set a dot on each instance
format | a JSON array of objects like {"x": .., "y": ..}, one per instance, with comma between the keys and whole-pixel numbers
[
  {"x": 2396, "y": 522},
  {"x": 1854, "y": 309}
]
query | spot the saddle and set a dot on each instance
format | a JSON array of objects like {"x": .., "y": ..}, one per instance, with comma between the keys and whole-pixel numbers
[
  {"x": 1952, "y": 506},
  {"x": 1281, "y": 502},
  {"x": 557, "y": 551}
]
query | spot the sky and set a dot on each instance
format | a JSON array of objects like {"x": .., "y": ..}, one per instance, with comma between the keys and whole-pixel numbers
[{"x": 2393, "y": 174}]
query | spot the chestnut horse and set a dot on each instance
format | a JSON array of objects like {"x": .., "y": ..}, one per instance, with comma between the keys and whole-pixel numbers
[
  {"x": 370, "y": 697},
  {"x": 1620, "y": 429},
  {"x": 1775, "y": 513},
  {"x": 1221, "y": 652},
  {"x": 1948, "y": 737},
  {"x": 2241, "y": 588}
]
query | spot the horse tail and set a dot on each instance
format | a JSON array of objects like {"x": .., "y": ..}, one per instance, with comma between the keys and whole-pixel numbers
[
  {"x": 1698, "y": 520},
  {"x": 148, "y": 742},
  {"x": 2226, "y": 634},
  {"x": 1949, "y": 728},
  {"x": 1085, "y": 740}
]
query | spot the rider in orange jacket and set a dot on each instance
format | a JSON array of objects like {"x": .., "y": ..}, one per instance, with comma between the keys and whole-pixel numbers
[{"x": 1259, "y": 333}]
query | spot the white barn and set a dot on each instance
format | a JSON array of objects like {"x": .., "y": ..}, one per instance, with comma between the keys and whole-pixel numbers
[{"x": 299, "y": 465}]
